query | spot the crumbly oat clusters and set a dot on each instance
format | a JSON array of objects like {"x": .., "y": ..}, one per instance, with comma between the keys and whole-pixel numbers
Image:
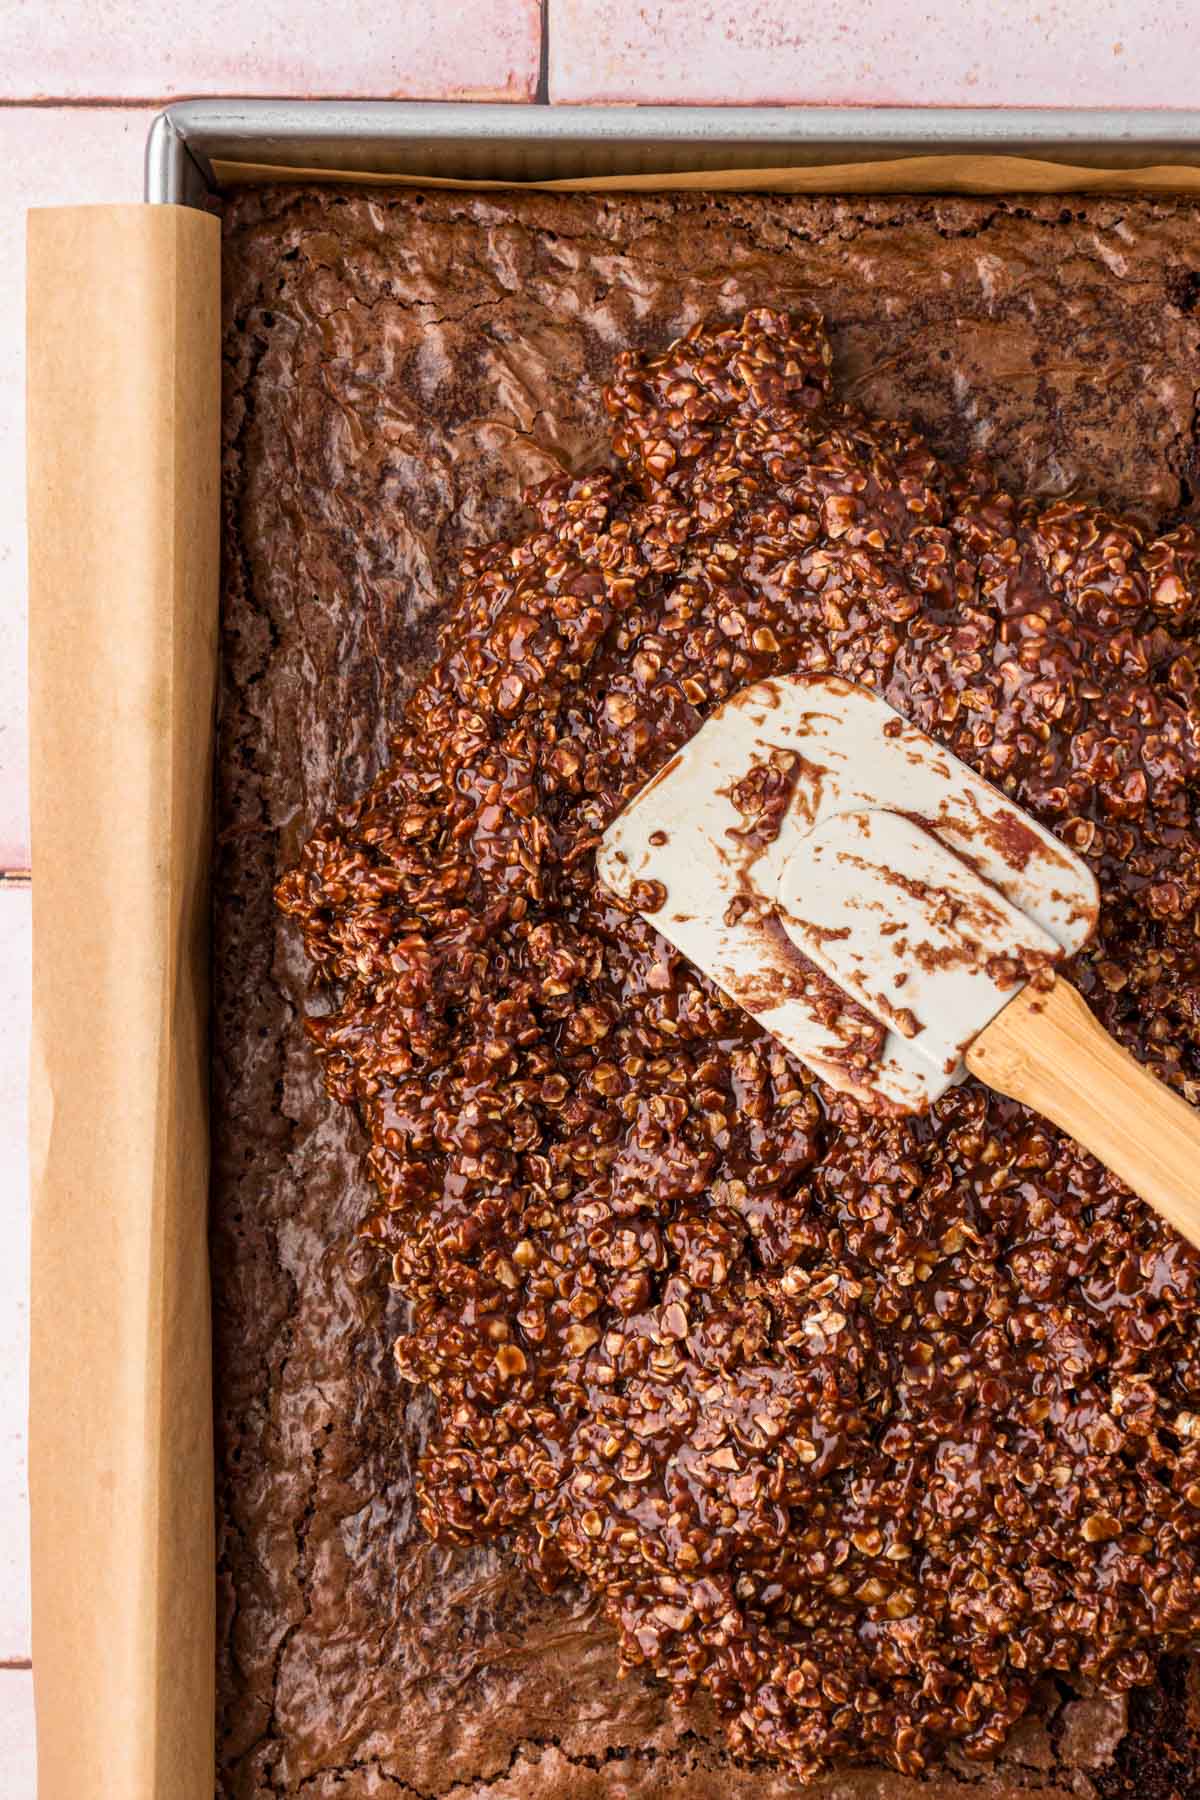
[{"x": 860, "y": 1424}]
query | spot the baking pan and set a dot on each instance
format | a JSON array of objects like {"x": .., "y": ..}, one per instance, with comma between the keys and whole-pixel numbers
[
  {"x": 124, "y": 431},
  {"x": 517, "y": 143}
]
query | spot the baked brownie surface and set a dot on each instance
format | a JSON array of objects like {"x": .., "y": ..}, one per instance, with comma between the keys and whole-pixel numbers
[{"x": 400, "y": 367}]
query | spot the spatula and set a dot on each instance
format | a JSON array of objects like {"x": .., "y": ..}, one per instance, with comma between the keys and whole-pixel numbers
[{"x": 893, "y": 920}]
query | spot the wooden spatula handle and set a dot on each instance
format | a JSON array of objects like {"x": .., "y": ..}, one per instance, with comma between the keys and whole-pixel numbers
[{"x": 1049, "y": 1050}]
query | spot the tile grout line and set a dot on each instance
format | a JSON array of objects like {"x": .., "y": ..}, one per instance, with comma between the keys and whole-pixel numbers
[
  {"x": 541, "y": 94},
  {"x": 130, "y": 102},
  {"x": 94, "y": 103}
]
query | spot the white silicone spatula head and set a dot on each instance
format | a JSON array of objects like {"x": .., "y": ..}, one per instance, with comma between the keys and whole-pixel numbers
[
  {"x": 910, "y": 931},
  {"x": 868, "y": 898}
]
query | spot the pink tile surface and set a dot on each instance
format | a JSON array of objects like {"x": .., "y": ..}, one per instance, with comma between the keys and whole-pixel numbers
[
  {"x": 50, "y": 157},
  {"x": 957, "y": 53},
  {"x": 18, "y": 1780},
  {"x": 15, "y": 910},
  {"x": 123, "y": 50}
]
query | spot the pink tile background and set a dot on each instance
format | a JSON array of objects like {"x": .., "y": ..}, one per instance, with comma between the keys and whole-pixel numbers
[
  {"x": 96, "y": 60},
  {"x": 898, "y": 53},
  {"x": 14, "y": 1299},
  {"x": 17, "y": 1768},
  {"x": 125, "y": 50}
]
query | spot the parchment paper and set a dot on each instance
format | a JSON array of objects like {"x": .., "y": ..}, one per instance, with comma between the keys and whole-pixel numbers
[
  {"x": 894, "y": 175},
  {"x": 124, "y": 412},
  {"x": 123, "y": 468}
]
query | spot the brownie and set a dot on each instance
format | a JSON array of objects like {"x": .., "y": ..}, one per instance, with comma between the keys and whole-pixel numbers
[{"x": 400, "y": 368}]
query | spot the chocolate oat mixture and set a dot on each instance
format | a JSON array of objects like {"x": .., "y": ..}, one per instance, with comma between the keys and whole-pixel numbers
[{"x": 860, "y": 1425}]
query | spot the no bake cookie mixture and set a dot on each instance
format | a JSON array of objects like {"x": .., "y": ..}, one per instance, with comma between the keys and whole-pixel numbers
[{"x": 400, "y": 368}]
